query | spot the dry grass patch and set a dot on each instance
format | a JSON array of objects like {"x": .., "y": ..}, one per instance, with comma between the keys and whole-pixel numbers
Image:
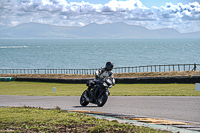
[{"x": 116, "y": 75}]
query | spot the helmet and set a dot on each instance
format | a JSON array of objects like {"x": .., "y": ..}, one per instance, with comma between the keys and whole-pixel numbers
[{"x": 109, "y": 66}]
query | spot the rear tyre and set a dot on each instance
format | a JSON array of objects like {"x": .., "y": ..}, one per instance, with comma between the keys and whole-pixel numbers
[
  {"x": 83, "y": 101},
  {"x": 102, "y": 99}
]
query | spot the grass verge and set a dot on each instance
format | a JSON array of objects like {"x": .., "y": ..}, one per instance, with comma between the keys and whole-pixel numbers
[
  {"x": 46, "y": 89},
  {"x": 38, "y": 120}
]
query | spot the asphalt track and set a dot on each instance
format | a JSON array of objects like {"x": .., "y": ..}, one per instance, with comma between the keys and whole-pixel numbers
[{"x": 168, "y": 107}]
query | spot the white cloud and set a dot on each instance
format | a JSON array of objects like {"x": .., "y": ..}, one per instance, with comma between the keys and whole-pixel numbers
[
  {"x": 119, "y": 6},
  {"x": 185, "y": 18}
]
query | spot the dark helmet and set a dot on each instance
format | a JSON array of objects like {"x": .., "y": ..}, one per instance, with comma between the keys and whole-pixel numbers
[{"x": 109, "y": 66}]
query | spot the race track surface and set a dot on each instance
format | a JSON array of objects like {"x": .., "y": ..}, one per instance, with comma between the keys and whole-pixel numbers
[{"x": 168, "y": 107}]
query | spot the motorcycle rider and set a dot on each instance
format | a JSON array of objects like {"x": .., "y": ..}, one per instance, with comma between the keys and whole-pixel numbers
[{"x": 103, "y": 73}]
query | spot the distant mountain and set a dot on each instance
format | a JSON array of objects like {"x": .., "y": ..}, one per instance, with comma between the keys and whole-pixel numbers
[
  {"x": 91, "y": 31},
  {"x": 36, "y": 30},
  {"x": 4, "y": 27},
  {"x": 192, "y": 35}
]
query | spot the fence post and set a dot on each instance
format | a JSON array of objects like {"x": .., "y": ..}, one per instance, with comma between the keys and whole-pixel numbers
[
  {"x": 159, "y": 68},
  {"x": 184, "y": 67},
  {"x": 178, "y": 68}
]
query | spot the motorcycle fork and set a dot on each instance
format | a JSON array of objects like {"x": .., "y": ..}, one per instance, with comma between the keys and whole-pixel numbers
[{"x": 101, "y": 92}]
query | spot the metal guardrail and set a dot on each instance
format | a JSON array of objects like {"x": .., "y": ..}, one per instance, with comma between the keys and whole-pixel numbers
[
  {"x": 47, "y": 71},
  {"x": 159, "y": 68},
  {"x": 149, "y": 68}
]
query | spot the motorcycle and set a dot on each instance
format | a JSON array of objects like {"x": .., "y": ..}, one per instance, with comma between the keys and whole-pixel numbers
[{"x": 98, "y": 94}]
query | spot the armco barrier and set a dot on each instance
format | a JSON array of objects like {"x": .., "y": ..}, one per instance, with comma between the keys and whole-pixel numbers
[
  {"x": 54, "y": 80},
  {"x": 174, "y": 79},
  {"x": 6, "y": 79}
]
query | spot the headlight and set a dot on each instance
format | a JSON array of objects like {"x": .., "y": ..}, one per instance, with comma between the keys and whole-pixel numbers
[
  {"x": 108, "y": 81},
  {"x": 104, "y": 84}
]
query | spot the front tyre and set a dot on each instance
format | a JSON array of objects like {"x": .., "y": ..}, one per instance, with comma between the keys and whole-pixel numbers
[
  {"x": 83, "y": 101},
  {"x": 102, "y": 99}
]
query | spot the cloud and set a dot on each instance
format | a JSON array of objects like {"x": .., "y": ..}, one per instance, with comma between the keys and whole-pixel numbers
[
  {"x": 185, "y": 18},
  {"x": 121, "y": 6},
  {"x": 190, "y": 11}
]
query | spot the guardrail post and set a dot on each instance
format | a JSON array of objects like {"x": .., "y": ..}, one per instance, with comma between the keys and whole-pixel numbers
[
  {"x": 159, "y": 68},
  {"x": 178, "y": 68},
  {"x": 184, "y": 67}
]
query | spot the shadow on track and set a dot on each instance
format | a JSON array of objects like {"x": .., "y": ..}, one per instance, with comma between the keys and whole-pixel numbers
[{"x": 85, "y": 106}]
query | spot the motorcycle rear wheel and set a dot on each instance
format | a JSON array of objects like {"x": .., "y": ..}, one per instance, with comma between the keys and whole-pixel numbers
[
  {"x": 83, "y": 101},
  {"x": 102, "y": 99}
]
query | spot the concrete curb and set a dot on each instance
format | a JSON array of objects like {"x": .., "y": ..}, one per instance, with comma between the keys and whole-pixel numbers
[{"x": 154, "y": 126}]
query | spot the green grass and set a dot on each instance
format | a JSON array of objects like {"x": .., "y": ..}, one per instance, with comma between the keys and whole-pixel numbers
[
  {"x": 155, "y": 90},
  {"x": 39, "y": 120},
  {"x": 46, "y": 89},
  {"x": 40, "y": 89}
]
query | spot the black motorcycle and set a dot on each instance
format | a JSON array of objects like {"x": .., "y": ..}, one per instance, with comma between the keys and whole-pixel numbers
[{"x": 98, "y": 92}]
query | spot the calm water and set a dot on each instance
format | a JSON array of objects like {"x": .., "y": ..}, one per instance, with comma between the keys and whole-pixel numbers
[{"x": 95, "y": 53}]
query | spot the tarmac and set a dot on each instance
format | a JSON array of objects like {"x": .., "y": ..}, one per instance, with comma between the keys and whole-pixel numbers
[{"x": 176, "y": 114}]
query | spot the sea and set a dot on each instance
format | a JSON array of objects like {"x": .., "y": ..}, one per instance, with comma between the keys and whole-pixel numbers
[{"x": 94, "y": 53}]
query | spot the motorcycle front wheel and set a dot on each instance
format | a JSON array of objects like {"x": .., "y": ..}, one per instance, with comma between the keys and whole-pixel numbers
[
  {"x": 83, "y": 101},
  {"x": 102, "y": 99}
]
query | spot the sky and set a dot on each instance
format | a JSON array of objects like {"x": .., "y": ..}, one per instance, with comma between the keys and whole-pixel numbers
[{"x": 184, "y": 15}]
